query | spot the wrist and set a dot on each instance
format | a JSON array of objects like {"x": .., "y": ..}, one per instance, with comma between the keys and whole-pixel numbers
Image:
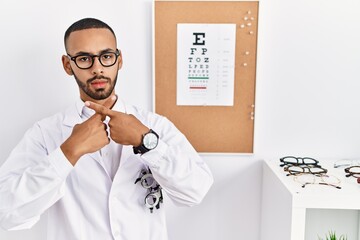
[{"x": 70, "y": 152}]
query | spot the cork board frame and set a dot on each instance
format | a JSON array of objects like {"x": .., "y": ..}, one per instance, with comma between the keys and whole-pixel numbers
[{"x": 210, "y": 129}]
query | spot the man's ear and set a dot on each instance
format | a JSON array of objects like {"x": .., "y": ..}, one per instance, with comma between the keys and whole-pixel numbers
[
  {"x": 120, "y": 61},
  {"x": 66, "y": 65}
]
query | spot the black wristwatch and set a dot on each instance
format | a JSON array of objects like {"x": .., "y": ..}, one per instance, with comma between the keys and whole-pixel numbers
[{"x": 149, "y": 141}]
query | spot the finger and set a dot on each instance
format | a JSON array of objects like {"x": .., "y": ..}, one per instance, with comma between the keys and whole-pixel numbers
[
  {"x": 99, "y": 108},
  {"x": 97, "y": 117},
  {"x": 109, "y": 103}
]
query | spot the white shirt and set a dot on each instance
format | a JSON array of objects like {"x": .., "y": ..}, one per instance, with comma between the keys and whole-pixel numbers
[{"x": 83, "y": 201}]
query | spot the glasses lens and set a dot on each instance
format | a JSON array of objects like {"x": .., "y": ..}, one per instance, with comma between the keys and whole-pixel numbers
[
  {"x": 294, "y": 169},
  {"x": 309, "y": 161},
  {"x": 291, "y": 160},
  {"x": 152, "y": 199},
  {"x": 315, "y": 170},
  {"x": 147, "y": 181},
  {"x": 330, "y": 179},
  {"x": 84, "y": 61},
  {"x": 354, "y": 171},
  {"x": 305, "y": 178},
  {"x": 107, "y": 59}
]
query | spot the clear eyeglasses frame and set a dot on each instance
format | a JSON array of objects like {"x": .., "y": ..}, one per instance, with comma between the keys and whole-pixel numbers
[
  {"x": 86, "y": 60},
  {"x": 346, "y": 163},
  {"x": 323, "y": 179}
]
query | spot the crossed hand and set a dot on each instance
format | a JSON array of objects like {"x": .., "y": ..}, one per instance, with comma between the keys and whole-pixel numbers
[{"x": 92, "y": 134}]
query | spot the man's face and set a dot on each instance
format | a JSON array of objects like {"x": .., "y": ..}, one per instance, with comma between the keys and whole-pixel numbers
[{"x": 97, "y": 82}]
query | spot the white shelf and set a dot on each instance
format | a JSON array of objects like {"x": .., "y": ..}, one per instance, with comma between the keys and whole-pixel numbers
[{"x": 284, "y": 201}]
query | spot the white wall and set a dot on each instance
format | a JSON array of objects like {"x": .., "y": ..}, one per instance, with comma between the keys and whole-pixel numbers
[
  {"x": 306, "y": 100},
  {"x": 308, "y": 84}
]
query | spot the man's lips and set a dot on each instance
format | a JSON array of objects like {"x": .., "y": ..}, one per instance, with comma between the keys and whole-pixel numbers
[{"x": 99, "y": 83}]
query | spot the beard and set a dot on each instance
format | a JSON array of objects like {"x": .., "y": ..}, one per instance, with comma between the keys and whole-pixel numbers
[{"x": 98, "y": 94}]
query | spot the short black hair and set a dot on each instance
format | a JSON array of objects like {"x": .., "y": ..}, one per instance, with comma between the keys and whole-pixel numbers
[{"x": 86, "y": 23}]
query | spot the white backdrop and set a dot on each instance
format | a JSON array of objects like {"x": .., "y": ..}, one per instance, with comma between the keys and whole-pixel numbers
[{"x": 307, "y": 100}]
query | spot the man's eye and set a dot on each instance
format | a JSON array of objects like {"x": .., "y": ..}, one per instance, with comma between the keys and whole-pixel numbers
[
  {"x": 84, "y": 59},
  {"x": 107, "y": 56}
]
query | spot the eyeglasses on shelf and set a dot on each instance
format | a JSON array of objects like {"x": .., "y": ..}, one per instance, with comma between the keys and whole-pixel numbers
[
  {"x": 303, "y": 169},
  {"x": 353, "y": 171},
  {"x": 291, "y": 160},
  {"x": 323, "y": 179},
  {"x": 346, "y": 163}
]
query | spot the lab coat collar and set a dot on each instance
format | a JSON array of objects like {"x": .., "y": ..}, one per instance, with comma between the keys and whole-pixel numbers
[
  {"x": 74, "y": 113},
  {"x": 72, "y": 116}
]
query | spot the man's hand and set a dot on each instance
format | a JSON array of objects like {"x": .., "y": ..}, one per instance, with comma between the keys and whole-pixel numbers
[
  {"x": 125, "y": 129},
  {"x": 87, "y": 137}
]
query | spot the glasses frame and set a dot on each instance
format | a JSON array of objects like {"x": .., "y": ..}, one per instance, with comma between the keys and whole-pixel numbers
[
  {"x": 154, "y": 196},
  {"x": 299, "y": 161},
  {"x": 93, "y": 56},
  {"x": 304, "y": 167},
  {"x": 346, "y": 163},
  {"x": 349, "y": 173},
  {"x": 318, "y": 179}
]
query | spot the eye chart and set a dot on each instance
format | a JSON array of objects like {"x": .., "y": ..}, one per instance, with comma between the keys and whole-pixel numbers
[{"x": 205, "y": 64}]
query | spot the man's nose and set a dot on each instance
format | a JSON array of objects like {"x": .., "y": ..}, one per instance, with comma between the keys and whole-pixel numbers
[{"x": 97, "y": 66}]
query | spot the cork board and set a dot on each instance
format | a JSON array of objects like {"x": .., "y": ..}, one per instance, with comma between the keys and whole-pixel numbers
[{"x": 210, "y": 129}]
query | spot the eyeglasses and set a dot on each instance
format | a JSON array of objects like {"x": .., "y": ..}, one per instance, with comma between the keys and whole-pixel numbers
[
  {"x": 353, "y": 171},
  {"x": 290, "y": 160},
  {"x": 301, "y": 169},
  {"x": 154, "y": 196},
  {"x": 346, "y": 163},
  {"x": 309, "y": 179},
  {"x": 86, "y": 61}
]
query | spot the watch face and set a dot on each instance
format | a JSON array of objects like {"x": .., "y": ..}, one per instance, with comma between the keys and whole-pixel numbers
[{"x": 150, "y": 141}]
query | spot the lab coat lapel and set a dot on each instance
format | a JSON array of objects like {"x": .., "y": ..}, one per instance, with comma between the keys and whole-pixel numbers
[
  {"x": 71, "y": 118},
  {"x": 127, "y": 151}
]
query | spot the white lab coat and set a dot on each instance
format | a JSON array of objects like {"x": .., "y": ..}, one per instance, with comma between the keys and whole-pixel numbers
[{"x": 81, "y": 201}]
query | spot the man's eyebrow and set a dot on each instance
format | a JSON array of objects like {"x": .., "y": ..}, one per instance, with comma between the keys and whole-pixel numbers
[
  {"x": 107, "y": 50},
  {"x": 87, "y": 53},
  {"x": 81, "y": 53}
]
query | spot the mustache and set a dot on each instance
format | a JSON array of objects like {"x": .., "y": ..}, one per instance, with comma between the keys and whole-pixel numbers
[{"x": 97, "y": 77}]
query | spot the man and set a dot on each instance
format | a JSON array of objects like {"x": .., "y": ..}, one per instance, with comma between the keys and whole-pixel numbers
[{"x": 99, "y": 169}]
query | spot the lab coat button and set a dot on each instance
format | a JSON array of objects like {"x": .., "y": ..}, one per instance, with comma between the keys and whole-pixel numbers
[{"x": 116, "y": 234}]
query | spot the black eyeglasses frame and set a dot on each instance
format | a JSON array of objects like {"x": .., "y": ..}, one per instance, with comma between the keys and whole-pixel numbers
[
  {"x": 73, "y": 58},
  {"x": 299, "y": 161}
]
